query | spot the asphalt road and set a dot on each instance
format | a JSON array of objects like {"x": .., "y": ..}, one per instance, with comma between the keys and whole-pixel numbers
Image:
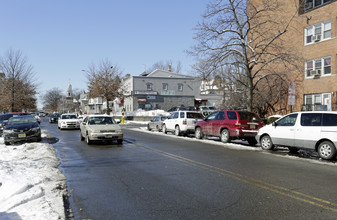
[{"x": 156, "y": 176}]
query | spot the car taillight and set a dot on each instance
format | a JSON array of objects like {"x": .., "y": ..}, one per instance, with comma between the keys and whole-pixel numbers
[
  {"x": 184, "y": 122},
  {"x": 237, "y": 126}
]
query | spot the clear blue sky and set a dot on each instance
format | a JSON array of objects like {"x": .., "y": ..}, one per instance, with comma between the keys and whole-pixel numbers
[{"x": 62, "y": 37}]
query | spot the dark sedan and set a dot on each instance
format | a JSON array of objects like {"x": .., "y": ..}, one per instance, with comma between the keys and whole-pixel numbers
[
  {"x": 21, "y": 129},
  {"x": 53, "y": 118}
]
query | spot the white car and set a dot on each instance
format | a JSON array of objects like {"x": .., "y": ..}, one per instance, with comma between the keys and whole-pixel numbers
[
  {"x": 68, "y": 121},
  {"x": 302, "y": 130},
  {"x": 100, "y": 128},
  {"x": 181, "y": 122}
]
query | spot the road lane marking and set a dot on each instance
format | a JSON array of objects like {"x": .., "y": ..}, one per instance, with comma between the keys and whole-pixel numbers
[{"x": 251, "y": 181}]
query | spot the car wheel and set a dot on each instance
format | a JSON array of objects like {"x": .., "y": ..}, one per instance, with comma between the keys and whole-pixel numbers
[
  {"x": 164, "y": 129},
  {"x": 38, "y": 139},
  {"x": 293, "y": 149},
  {"x": 198, "y": 133},
  {"x": 87, "y": 139},
  {"x": 120, "y": 141},
  {"x": 225, "y": 137},
  {"x": 148, "y": 127},
  {"x": 7, "y": 143},
  {"x": 327, "y": 150},
  {"x": 252, "y": 141},
  {"x": 177, "y": 131},
  {"x": 266, "y": 143}
]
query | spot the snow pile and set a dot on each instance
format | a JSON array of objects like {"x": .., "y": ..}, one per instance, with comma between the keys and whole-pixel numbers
[
  {"x": 141, "y": 112},
  {"x": 31, "y": 185}
]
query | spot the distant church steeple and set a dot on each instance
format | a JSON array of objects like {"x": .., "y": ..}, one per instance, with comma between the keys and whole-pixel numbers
[{"x": 69, "y": 91}]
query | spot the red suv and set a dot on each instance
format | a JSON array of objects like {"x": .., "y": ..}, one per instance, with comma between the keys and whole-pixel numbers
[{"x": 229, "y": 125}]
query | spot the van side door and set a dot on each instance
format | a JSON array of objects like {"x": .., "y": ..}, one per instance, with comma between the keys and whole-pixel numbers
[
  {"x": 309, "y": 130},
  {"x": 283, "y": 131}
]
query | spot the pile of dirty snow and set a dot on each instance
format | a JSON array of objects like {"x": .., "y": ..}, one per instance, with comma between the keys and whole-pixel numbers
[
  {"x": 31, "y": 185},
  {"x": 141, "y": 112}
]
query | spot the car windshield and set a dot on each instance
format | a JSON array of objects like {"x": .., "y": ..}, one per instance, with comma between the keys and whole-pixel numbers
[
  {"x": 69, "y": 117},
  {"x": 101, "y": 121},
  {"x": 21, "y": 120},
  {"x": 55, "y": 115}
]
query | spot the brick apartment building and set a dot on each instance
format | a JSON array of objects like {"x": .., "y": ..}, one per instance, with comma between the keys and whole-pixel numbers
[{"x": 313, "y": 35}]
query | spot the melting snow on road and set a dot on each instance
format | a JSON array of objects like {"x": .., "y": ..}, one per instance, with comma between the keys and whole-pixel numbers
[{"x": 31, "y": 185}]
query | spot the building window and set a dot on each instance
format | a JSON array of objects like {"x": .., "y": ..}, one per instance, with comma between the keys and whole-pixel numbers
[
  {"x": 165, "y": 86},
  {"x": 180, "y": 87},
  {"x": 317, "y": 102},
  {"x": 149, "y": 86},
  {"x": 318, "y": 32},
  {"x": 310, "y": 4},
  {"x": 318, "y": 67}
]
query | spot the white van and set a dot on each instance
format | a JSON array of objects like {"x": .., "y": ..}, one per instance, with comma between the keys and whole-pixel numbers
[{"x": 302, "y": 130}]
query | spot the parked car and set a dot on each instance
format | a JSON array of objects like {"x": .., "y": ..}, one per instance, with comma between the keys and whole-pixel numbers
[
  {"x": 4, "y": 120},
  {"x": 302, "y": 130},
  {"x": 191, "y": 108},
  {"x": 177, "y": 108},
  {"x": 229, "y": 125},
  {"x": 206, "y": 110},
  {"x": 68, "y": 121},
  {"x": 156, "y": 123},
  {"x": 181, "y": 122},
  {"x": 21, "y": 128},
  {"x": 54, "y": 117},
  {"x": 100, "y": 128}
]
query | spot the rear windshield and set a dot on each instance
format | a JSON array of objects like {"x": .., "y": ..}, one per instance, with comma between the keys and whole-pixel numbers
[
  {"x": 249, "y": 116},
  {"x": 194, "y": 115}
]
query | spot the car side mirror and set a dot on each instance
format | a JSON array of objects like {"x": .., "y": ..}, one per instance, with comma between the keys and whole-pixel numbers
[{"x": 274, "y": 124}]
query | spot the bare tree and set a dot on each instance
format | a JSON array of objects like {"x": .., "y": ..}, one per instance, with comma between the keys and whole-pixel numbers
[
  {"x": 18, "y": 90},
  {"x": 168, "y": 65},
  {"x": 248, "y": 36},
  {"x": 104, "y": 81},
  {"x": 51, "y": 99}
]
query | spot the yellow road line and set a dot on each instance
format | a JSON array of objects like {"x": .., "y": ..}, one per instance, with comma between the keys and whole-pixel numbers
[{"x": 252, "y": 181}]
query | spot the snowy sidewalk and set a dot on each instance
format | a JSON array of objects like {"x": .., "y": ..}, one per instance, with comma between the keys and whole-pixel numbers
[{"x": 31, "y": 185}]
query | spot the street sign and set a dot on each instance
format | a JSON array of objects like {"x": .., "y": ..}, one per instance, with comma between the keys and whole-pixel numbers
[{"x": 291, "y": 93}]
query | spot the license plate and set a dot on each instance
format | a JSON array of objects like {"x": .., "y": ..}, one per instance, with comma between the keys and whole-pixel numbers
[
  {"x": 22, "y": 135},
  {"x": 108, "y": 136},
  {"x": 252, "y": 126}
]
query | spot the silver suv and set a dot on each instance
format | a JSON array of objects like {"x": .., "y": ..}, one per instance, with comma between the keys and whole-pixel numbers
[{"x": 181, "y": 122}]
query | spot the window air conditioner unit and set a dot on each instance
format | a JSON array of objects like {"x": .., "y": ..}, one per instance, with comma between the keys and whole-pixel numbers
[
  {"x": 315, "y": 73},
  {"x": 316, "y": 37},
  {"x": 308, "y": 6}
]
